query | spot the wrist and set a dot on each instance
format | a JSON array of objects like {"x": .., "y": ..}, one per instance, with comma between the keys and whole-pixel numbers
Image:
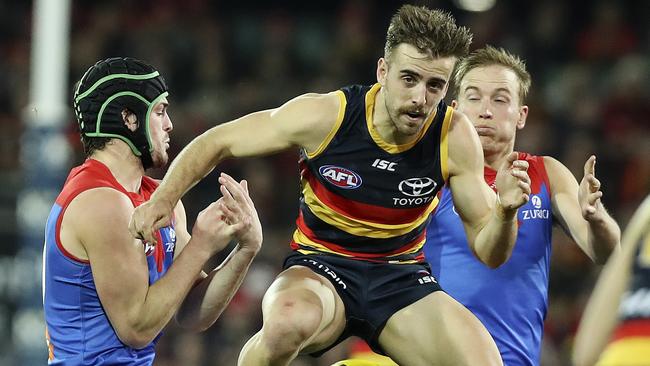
[
  {"x": 249, "y": 250},
  {"x": 503, "y": 213}
]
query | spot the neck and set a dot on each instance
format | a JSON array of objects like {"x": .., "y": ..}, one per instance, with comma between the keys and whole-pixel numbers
[
  {"x": 494, "y": 159},
  {"x": 123, "y": 164},
  {"x": 384, "y": 125}
]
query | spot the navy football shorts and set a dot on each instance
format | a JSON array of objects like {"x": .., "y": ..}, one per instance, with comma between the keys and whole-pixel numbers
[{"x": 371, "y": 291}]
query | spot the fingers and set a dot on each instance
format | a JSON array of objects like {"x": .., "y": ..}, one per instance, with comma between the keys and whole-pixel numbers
[
  {"x": 590, "y": 166},
  {"x": 507, "y": 163},
  {"x": 594, "y": 184},
  {"x": 141, "y": 229}
]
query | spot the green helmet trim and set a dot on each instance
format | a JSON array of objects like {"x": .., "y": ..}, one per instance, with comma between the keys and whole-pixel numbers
[
  {"x": 150, "y": 106},
  {"x": 111, "y": 77}
]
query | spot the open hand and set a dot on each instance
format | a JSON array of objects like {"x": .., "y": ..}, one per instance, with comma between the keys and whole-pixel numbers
[
  {"x": 589, "y": 192},
  {"x": 513, "y": 182}
]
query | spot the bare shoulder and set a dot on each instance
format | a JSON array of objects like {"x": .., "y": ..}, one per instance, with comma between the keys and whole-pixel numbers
[
  {"x": 559, "y": 176},
  {"x": 96, "y": 216},
  {"x": 309, "y": 118}
]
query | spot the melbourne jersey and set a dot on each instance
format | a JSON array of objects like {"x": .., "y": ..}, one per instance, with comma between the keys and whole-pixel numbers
[
  {"x": 365, "y": 198},
  {"x": 630, "y": 343},
  {"x": 511, "y": 300},
  {"x": 78, "y": 330}
]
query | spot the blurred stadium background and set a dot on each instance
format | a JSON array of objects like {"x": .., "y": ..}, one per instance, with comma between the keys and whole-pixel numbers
[{"x": 589, "y": 61}]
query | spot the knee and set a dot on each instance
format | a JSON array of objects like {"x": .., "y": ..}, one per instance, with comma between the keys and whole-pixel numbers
[{"x": 290, "y": 325}]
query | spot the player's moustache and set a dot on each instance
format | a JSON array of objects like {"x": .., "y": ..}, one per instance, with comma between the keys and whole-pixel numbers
[{"x": 413, "y": 112}]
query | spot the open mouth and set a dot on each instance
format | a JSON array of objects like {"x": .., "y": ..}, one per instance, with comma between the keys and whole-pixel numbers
[{"x": 414, "y": 116}]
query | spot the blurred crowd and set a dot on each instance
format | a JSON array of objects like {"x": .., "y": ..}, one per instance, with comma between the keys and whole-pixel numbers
[{"x": 589, "y": 60}]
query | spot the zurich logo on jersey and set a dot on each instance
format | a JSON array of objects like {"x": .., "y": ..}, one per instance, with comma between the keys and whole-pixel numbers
[
  {"x": 340, "y": 177},
  {"x": 537, "y": 202},
  {"x": 417, "y": 187}
]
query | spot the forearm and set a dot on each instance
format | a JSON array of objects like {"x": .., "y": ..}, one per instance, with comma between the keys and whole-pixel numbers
[
  {"x": 193, "y": 163},
  {"x": 604, "y": 236},
  {"x": 207, "y": 300},
  {"x": 165, "y": 296},
  {"x": 601, "y": 316},
  {"x": 494, "y": 243}
]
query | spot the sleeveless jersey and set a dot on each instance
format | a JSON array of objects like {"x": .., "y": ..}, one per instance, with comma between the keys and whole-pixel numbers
[
  {"x": 365, "y": 198},
  {"x": 630, "y": 343},
  {"x": 511, "y": 301},
  {"x": 78, "y": 330}
]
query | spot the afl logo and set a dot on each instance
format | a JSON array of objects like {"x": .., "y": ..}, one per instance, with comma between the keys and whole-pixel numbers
[
  {"x": 340, "y": 177},
  {"x": 417, "y": 187},
  {"x": 537, "y": 202}
]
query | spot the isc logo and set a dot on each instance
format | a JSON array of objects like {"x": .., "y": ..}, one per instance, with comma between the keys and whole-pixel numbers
[
  {"x": 340, "y": 177},
  {"x": 384, "y": 165}
]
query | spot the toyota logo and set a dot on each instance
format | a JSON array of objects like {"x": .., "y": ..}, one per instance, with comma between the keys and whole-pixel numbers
[{"x": 417, "y": 187}]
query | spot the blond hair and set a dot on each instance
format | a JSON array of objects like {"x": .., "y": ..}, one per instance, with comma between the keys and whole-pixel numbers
[
  {"x": 488, "y": 56},
  {"x": 431, "y": 31}
]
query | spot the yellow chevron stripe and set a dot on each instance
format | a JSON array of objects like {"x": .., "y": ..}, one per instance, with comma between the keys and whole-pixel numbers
[
  {"x": 386, "y": 146},
  {"x": 444, "y": 147},
  {"x": 339, "y": 119},
  {"x": 360, "y": 227},
  {"x": 300, "y": 238}
]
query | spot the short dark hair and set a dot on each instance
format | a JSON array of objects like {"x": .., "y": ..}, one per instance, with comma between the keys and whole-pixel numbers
[{"x": 431, "y": 31}]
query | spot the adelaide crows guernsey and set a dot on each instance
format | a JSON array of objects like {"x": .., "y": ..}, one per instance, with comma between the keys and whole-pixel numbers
[
  {"x": 78, "y": 330},
  {"x": 365, "y": 198},
  {"x": 511, "y": 301},
  {"x": 630, "y": 343}
]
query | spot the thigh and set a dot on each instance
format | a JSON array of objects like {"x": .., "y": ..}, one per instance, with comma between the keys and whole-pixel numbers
[
  {"x": 437, "y": 330},
  {"x": 299, "y": 294}
]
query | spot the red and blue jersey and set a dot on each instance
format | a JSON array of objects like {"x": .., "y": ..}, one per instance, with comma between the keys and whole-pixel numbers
[
  {"x": 78, "y": 330},
  {"x": 511, "y": 301},
  {"x": 365, "y": 198}
]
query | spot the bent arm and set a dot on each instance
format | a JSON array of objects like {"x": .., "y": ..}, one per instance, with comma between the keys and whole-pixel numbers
[
  {"x": 137, "y": 311},
  {"x": 601, "y": 316},
  {"x": 491, "y": 230},
  {"x": 212, "y": 293},
  {"x": 596, "y": 237}
]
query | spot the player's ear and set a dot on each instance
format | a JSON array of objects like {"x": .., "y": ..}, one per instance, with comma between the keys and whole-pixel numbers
[
  {"x": 382, "y": 71},
  {"x": 523, "y": 114},
  {"x": 130, "y": 119},
  {"x": 454, "y": 104}
]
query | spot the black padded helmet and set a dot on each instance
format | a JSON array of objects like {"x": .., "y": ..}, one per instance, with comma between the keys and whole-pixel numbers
[{"x": 110, "y": 86}]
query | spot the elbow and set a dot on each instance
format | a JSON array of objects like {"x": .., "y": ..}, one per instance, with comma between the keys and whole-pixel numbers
[
  {"x": 492, "y": 260},
  {"x": 192, "y": 323},
  {"x": 134, "y": 338},
  {"x": 494, "y": 263}
]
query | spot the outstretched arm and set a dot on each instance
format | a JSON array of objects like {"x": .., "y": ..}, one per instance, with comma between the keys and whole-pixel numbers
[
  {"x": 490, "y": 223},
  {"x": 212, "y": 294},
  {"x": 601, "y": 316},
  {"x": 303, "y": 121},
  {"x": 580, "y": 210}
]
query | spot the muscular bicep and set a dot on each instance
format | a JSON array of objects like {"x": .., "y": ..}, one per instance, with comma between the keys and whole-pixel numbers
[
  {"x": 472, "y": 197},
  {"x": 304, "y": 121},
  {"x": 99, "y": 218}
]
